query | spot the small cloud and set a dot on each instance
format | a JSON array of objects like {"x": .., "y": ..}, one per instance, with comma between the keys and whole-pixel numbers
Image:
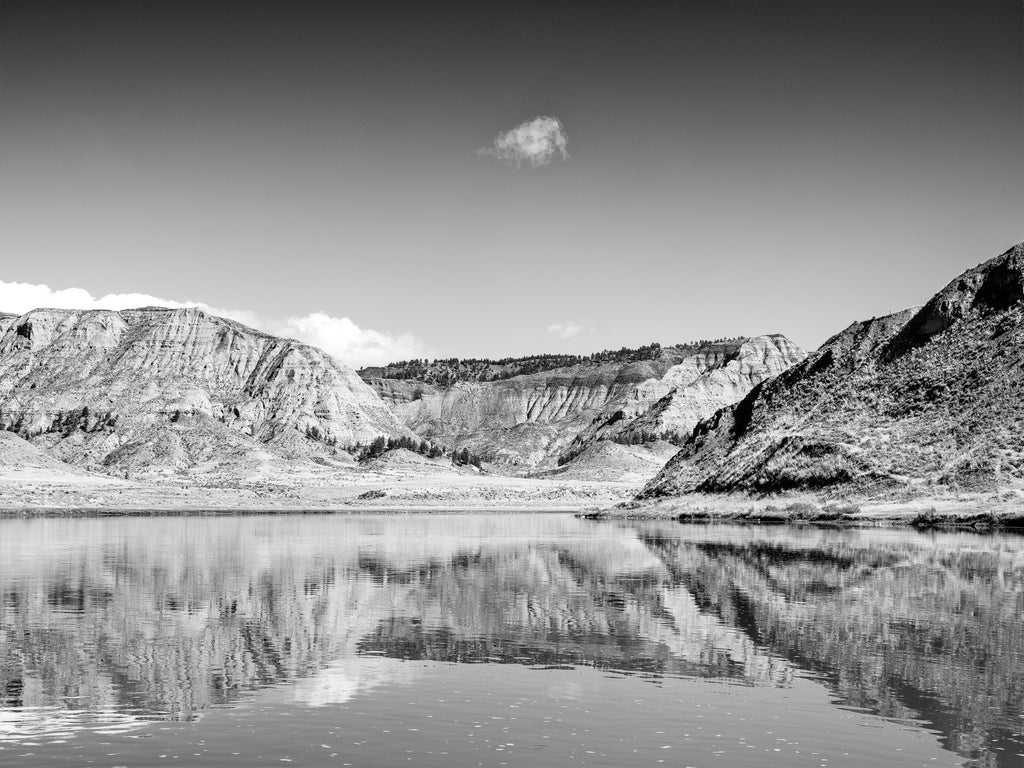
[
  {"x": 537, "y": 142},
  {"x": 565, "y": 330},
  {"x": 338, "y": 336}
]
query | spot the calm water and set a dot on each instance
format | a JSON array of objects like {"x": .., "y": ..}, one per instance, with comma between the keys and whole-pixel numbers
[{"x": 521, "y": 640}]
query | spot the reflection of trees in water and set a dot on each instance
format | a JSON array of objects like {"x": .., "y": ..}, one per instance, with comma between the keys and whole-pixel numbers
[
  {"x": 929, "y": 628},
  {"x": 169, "y": 619}
]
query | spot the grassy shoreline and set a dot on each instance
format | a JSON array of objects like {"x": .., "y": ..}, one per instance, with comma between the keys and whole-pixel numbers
[
  {"x": 947, "y": 514},
  {"x": 977, "y": 512}
]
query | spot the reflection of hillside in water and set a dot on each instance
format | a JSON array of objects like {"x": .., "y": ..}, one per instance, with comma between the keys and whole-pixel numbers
[
  {"x": 929, "y": 627},
  {"x": 168, "y": 617},
  {"x": 165, "y": 618}
]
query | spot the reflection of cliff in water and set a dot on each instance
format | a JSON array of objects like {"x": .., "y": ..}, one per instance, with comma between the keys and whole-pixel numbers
[
  {"x": 929, "y": 627},
  {"x": 164, "y": 618},
  {"x": 168, "y": 620}
]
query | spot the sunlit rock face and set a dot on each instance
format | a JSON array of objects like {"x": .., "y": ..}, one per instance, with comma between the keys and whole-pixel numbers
[
  {"x": 920, "y": 400},
  {"x": 694, "y": 389},
  {"x": 168, "y": 389},
  {"x": 534, "y": 420}
]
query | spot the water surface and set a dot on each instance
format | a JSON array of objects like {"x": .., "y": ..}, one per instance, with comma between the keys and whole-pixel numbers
[{"x": 520, "y": 640}]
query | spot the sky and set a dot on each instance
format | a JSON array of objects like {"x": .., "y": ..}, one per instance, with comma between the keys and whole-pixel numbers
[{"x": 393, "y": 180}]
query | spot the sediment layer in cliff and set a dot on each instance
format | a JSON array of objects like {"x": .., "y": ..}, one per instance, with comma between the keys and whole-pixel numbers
[
  {"x": 539, "y": 420},
  {"x": 168, "y": 390}
]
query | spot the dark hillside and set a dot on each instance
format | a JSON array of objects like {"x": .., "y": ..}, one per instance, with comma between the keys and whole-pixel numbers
[{"x": 926, "y": 398}]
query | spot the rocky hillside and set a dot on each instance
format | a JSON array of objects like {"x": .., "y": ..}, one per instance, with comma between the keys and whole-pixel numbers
[
  {"x": 670, "y": 407},
  {"x": 535, "y": 420},
  {"x": 175, "y": 389},
  {"x": 925, "y": 399},
  {"x": 21, "y": 460}
]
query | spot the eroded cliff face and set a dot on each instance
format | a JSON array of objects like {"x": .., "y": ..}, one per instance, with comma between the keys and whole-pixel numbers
[
  {"x": 171, "y": 389},
  {"x": 693, "y": 390},
  {"x": 917, "y": 401},
  {"x": 522, "y": 421},
  {"x": 532, "y": 421}
]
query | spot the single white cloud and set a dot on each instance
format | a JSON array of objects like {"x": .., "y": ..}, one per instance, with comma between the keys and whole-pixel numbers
[
  {"x": 537, "y": 142},
  {"x": 338, "y": 336},
  {"x": 565, "y": 330},
  {"x": 346, "y": 341}
]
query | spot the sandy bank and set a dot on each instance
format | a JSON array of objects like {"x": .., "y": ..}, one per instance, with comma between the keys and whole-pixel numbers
[
  {"x": 22, "y": 494},
  {"x": 404, "y": 486}
]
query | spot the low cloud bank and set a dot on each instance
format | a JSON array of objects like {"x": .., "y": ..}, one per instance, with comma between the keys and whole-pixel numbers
[{"x": 338, "y": 336}]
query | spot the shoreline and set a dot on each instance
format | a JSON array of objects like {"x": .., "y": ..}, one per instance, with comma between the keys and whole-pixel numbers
[
  {"x": 27, "y": 494},
  {"x": 963, "y": 514},
  {"x": 27, "y": 513},
  {"x": 967, "y": 512},
  {"x": 24, "y": 496}
]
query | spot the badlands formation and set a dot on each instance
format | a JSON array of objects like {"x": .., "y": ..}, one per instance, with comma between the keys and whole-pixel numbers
[
  {"x": 545, "y": 419},
  {"x": 167, "y": 408},
  {"x": 914, "y": 413},
  {"x": 905, "y": 417},
  {"x": 177, "y": 390}
]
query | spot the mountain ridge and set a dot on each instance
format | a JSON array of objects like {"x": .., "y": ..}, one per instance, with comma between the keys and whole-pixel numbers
[
  {"x": 529, "y": 421},
  {"x": 924, "y": 400},
  {"x": 155, "y": 387}
]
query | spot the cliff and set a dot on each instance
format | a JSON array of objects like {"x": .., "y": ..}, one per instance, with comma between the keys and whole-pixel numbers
[
  {"x": 692, "y": 390},
  {"x": 918, "y": 401},
  {"x": 537, "y": 420},
  {"x": 175, "y": 389}
]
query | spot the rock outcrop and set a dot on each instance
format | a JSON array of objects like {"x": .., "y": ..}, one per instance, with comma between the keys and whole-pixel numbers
[
  {"x": 534, "y": 421},
  {"x": 690, "y": 391},
  {"x": 176, "y": 389},
  {"x": 927, "y": 398}
]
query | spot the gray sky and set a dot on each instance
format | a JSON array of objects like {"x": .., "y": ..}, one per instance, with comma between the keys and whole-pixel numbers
[{"x": 733, "y": 167}]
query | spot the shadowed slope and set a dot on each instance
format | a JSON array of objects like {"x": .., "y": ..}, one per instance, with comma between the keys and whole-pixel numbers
[{"x": 920, "y": 398}]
